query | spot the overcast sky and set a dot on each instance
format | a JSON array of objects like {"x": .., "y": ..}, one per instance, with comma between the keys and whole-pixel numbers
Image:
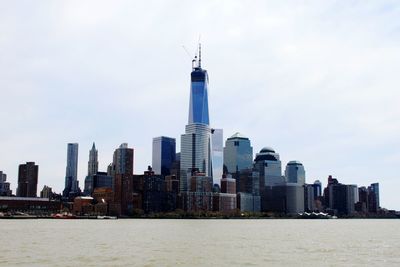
[{"x": 316, "y": 80}]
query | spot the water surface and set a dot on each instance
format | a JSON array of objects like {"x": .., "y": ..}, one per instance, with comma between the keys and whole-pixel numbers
[{"x": 146, "y": 242}]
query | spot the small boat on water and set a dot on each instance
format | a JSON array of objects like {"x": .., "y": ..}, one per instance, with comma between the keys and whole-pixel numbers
[
  {"x": 106, "y": 217},
  {"x": 64, "y": 215}
]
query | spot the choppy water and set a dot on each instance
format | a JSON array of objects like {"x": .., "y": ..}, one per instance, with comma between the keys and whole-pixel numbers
[{"x": 199, "y": 242}]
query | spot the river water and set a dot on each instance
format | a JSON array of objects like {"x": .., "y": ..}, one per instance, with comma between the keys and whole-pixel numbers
[{"x": 146, "y": 242}]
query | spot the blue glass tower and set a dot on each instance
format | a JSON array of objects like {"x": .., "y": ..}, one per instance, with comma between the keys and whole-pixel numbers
[
  {"x": 163, "y": 154},
  {"x": 198, "y": 106},
  {"x": 196, "y": 147}
]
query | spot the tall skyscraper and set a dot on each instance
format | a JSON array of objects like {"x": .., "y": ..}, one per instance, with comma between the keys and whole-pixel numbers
[
  {"x": 196, "y": 142},
  {"x": 122, "y": 172},
  {"x": 71, "y": 176},
  {"x": 295, "y": 172},
  {"x": 93, "y": 163},
  {"x": 123, "y": 160},
  {"x": 27, "y": 180},
  {"x": 198, "y": 106},
  {"x": 164, "y": 152},
  {"x": 238, "y": 153},
  {"x": 217, "y": 154}
]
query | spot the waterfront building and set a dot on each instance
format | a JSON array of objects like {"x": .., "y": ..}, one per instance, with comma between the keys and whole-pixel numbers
[
  {"x": 238, "y": 154},
  {"x": 309, "y": 200},
  {"x": 268, "y": 164},
  {"x": 83, "y": 205},
  {"x": 154, "y": 193},
  {"x": 98, "y": 180},
  {"x": 217, "y": 154},
  {"x": 287, "y": 198},
  {"x": 121, "y": 171},
  {"x": 248, "y": 202},
  {"x": 200, "y": 194},
  {"x": 228, "y": 184},
  {"x": 71, "y": 177},
  {"x": 373, "y": 191},
  {"x": 4, "y": 185},
  {"x": 27, "y": 180},
  {"x": 196, "y": 142},
  {"x": 164, "y": 154},
  {"x": 226, "y": 200},
  {"x": 172, "y": 188},
  {"x": 32, "y": 205},
  {"x": 248, "y": 189},
  {"x": 295, "y": 172},
  {"x": 342, "y": 198}
]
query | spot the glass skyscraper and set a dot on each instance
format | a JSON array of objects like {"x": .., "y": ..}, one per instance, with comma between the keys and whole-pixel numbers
[
  {"x": 163, "y": 154},
  {"x": 71, "y": 175},
  {"x": 217, "y": 139},
  {"x": 198, "y": 106},
  {"x": 238, "y": 153},
  {"x": 267, "y": 162},
  {"x": 196, "y": 152},
  {"x": 295, "y": 172}
]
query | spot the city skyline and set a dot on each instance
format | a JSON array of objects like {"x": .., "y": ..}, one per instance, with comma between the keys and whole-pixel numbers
[{"x": 286, "y": 93}]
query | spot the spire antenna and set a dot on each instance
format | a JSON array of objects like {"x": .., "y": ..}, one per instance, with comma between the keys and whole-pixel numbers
[{"x": 199, "y": 55}]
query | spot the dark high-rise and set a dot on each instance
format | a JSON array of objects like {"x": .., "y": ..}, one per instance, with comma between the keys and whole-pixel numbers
[
  {"x": 122, "y": 172},
  {"x": 27, "y": 180},
  {"x": 164, "y": 152},
  {"x": 71, "y": 175}
]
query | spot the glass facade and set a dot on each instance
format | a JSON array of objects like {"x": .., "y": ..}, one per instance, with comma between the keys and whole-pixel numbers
[
  {"x": 164, "y": 154},
  {"x": 217, "y": 138},
  {"x": 198, "y": 106},
  {"x": 71, "y": 175},
  {"x": 295, "y": 173},
  {"x": 238, "y": 153},
  {"x": 195, "y": 152}
]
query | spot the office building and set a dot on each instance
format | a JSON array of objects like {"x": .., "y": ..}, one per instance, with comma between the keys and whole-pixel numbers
[
  {"x": 317, "y": 185},
  {"x": 268, "y": 164},
  {"x": 217, "y": 154},
  {"x": 238, "y": 154},
  {"x": 98, "y": 180},
  {"x": 71, "y": 177},
  {"x": 121, "y": 171},
  {"x": 295, "y": 172},
  {"x": 373, "y": 198},
  {"x": 27, "y": 180},
  {"x": 309, "y": 200},
  {"x": 196, "y": 142},
  {"x": 248, "y": 190},
  {"x": 164, "y": 155},
  {"x": 287, "y": 198},
  {"x": 4, "y": 185},
  {"x": 154, "y": 193},
  {"x": 225, "y": 201},
  {"x": 342, "y": 198}
]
